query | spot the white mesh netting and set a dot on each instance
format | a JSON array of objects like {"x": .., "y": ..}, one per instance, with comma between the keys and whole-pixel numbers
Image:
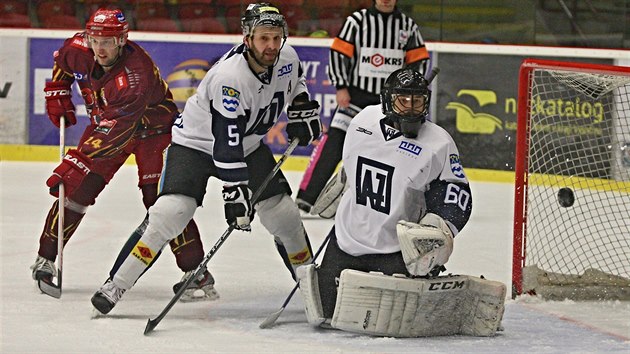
[{"x": 579, "y": 138}]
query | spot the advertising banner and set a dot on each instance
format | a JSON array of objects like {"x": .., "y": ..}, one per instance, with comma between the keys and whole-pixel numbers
[
  {"x": 179, "y": 65},
  {"x": 477, "y": 104},
  {"x": 13, "y": 90}
]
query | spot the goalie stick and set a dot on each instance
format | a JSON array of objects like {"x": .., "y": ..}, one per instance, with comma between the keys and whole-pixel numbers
[
  {"x": 152, "y": 323},
  {"x": 50, "y": 288},
  {"x": 271, "y": 319}
]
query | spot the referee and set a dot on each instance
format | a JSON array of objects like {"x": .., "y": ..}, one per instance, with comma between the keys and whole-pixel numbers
[{"x": 371, "y": 45}]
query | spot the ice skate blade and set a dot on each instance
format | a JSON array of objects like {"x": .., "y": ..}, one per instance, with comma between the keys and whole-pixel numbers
[{"x": 199, "y": 295}]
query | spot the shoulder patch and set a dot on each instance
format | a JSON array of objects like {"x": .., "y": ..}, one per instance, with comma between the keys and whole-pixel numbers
[
  {"x": 456, "y": 166},
  {"x": 231, "y": 98}
]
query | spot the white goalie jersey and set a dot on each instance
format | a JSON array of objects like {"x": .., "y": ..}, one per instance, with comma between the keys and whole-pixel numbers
[
  {"x": 397, "y": 178},
  {"x": 234, "y": 108}
]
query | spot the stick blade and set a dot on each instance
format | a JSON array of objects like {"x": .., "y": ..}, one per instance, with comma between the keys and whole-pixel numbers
[
  {"x": 151, "y": 324},
  {"x": 271, "y": 319},
  {"x": 49, "y": 288}
]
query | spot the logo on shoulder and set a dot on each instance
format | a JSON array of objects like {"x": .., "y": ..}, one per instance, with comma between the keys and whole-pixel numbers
[
  {"x": 231, "y": 98},
  {"x": 364, "y": 131},
  {"x": 456, "y": 166},
  {"x": 410, "y": 147},
  {"x": 285, "y": 70}
]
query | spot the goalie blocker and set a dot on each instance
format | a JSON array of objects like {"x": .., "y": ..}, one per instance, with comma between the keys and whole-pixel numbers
[{"x": 397, "y": 306}]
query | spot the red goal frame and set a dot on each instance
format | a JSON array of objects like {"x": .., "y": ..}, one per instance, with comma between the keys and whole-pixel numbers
[{"x": 522, "y": 147}]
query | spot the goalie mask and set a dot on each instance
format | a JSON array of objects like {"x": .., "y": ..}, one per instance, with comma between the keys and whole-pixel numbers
[{"x": 405, "y": 100}]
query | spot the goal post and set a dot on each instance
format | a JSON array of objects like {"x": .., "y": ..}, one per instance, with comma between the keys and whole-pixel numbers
[{"x": 572, "y": 181}]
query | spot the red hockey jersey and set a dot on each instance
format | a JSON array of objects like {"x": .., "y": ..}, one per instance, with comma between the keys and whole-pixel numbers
[{"x": 129, "y": 100}]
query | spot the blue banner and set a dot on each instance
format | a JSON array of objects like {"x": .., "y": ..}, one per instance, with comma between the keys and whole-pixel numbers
[{"x": 182, "y": 65}]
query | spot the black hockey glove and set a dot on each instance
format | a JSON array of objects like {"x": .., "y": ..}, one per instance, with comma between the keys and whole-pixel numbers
[
  {"x": 238, "y": 207},
  {"x": 304, "y": 122}
]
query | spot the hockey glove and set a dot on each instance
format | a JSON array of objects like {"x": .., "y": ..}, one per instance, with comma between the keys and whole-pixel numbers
[
  {"x": 59, "y": 103},
  {"x": 71, "y": 171},
  {"x": 304, "y": 122},
  {"x": 425, "y": 245},
  {"x": 238, "y": 207}
]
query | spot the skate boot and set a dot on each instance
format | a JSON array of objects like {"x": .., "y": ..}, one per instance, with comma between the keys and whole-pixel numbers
[
  {"x": 199, "y": 289},
  {"x": 107, "y": 296},
  {"x": 43, "y": 269}
]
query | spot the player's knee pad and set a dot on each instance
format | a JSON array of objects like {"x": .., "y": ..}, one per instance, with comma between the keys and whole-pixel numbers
[
  {"x": 279, "y": 214},
  {"x": 168, "y": 217},
  {"x": 309, "y": 290},
  {"x": 281, "y": 217},
  {"x": 397, "y": 306}
]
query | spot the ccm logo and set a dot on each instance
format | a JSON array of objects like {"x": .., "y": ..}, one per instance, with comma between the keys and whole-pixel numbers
[
  {"x": 77, "y": 163},
  {"x": 52, "y": 93},
  {"x": 447, "y": 285}
]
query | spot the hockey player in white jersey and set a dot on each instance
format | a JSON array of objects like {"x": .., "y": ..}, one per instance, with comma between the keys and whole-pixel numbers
[
  {"x": 402, "y": 197},
  {"x": 219, "y": 134}
]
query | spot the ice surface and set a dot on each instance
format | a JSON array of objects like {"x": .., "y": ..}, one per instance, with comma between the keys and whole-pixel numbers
[{"x": 252, "y": 282}]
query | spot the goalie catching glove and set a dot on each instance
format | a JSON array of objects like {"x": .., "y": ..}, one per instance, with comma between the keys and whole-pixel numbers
[
  {"x": 71, "y": 171},
  {"x": 304, "y": 122},
  {"x": 59, "y": 103},
  {"x": 238, "y": 207},
  {"x": 425, "y": 245}
]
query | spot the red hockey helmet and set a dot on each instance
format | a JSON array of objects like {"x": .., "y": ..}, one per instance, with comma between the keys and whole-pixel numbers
[{"x": 108, "y": 23}]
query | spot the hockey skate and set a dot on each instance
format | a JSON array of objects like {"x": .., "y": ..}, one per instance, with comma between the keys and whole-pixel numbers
[
  {"x": 106, "y": 297},
  {"x": 199, "y": 289},
  {"x": 43, "y": 269}
]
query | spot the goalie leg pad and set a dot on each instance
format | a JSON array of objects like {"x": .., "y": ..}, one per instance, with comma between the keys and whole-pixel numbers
[
  {"x": 309, "y": 290},
  {"x": 328, "y": 200},
  {"x": 397, "y": 306}
]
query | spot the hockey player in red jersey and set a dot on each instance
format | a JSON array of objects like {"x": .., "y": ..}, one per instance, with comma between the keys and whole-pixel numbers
[{"x": 131, "y": 111}]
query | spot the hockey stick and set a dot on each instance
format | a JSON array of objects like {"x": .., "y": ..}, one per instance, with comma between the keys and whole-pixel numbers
[
  {"x": 50, "y": 288},
  {"x": 432, "y": 74},
  {"x": 201, "y": 268},
  {"x": 271, "y": 319}
]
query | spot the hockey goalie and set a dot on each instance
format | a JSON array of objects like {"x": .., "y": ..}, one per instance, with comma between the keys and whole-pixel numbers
[{"x": 398, "y": 202}]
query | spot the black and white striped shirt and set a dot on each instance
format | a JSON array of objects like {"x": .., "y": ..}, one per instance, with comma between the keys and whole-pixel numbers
[{"x": 371, "y": 45}]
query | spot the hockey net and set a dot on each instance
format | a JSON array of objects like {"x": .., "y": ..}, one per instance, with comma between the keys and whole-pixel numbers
[{"x": 573, "y": 132}]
